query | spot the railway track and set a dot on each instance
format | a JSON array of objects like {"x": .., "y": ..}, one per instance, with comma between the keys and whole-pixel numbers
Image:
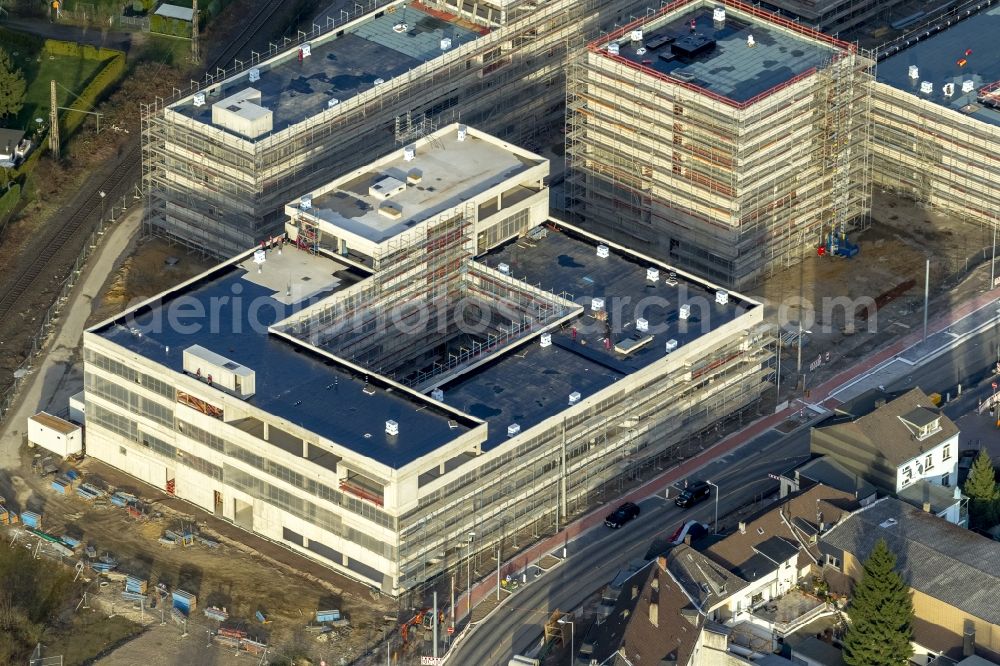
[{"x": 116, "y": 185}]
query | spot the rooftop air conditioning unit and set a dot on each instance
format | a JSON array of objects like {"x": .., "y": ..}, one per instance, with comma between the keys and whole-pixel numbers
[
  {"x": 332, "y": 102},
  {"x": 926, "y": 87},
  {"x": 653, "y": 274},
  {"x": 685, "y": 311},
  {"x": 719, "y": 14},
  {"x": 306, "y": 202},
  {"x": 603, "y": 251},
  {"x": 254, "y": 74},
  {"x": 968, "y": 86},
  {"x": 305, "y": 50},
  {"x": 410, "y": 152},
  {"x": 642, "y": 325},
  {"x": 513, "y": 429},
  {"x": 914, "y": 72},
  {"x": 722, "y": 297},
  {"x": 671, "y": 345},
  {"x": 391, "y": 427},
  {"x": 546, "y": 340},
  {"x": 613, "y": 48},
  {"x": 438, "y": 395},
  {"x": 597, "y": 304},
  {"x": 199, "y": 99},
  {"x": 637, "y": 35},
  {"x": 463, "y": 131},
  {"x": 445, "y": 43},
  {"x": 504, "y": 268},
  {"x": 574, "y": 397}
]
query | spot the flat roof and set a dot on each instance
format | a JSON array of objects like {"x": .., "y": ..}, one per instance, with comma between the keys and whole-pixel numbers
[
  {"x": 343, "y": 64},
  {"x": 937, "y": 60},
  {"x": 718, "y": 58},
  {"x": 450, "y": 172},
  {"x": 292, "y": 382},
  {"x": 530, "y": 383},
  {"x": 175, "y": 12},
  {"x": 54, "y": 423}
]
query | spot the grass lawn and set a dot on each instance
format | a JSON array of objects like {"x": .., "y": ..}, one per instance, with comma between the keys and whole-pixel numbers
[{"x": 90, "y": 634}]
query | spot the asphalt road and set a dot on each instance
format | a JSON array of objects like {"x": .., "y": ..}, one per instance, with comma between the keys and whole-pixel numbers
[{"x": 596, "y": 556}]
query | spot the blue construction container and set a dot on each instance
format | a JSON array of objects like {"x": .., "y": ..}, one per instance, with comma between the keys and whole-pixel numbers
[
  {"x": 70, "y": 541},
  {"x": 31, "y": 519},
  {"x": 183, "y": 601},
  {"x": 327, "y": 615}
]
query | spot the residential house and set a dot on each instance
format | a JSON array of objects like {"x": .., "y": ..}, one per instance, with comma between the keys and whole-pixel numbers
[
  {"x": 954, "y": 574},
  {"x": 899, "y": 445}
]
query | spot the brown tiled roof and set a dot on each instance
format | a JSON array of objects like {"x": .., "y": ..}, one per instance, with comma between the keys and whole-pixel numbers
[
  {"x": 629, "y": 627},
  {"x": 815, "y": 505}
]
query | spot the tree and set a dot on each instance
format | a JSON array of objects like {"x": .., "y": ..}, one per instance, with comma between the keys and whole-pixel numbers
[
  {"x": 881, "y": 614},
  {"x": 11, "y": 87},
  {"x": 981, "y": 487}
]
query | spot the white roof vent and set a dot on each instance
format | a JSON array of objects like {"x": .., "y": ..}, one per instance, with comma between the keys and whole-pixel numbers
[
  {"x": 400, "y": 27},
  {"x": 332, "y": 102},
  {"x": 642, "y": 325},
  {"x": 513, "y": 429},
  {"x": 968, "y": 86},
  {"x": 613, "y": 48},
  {"x": 888, "y": 522},
  {"x": 914, "y": 72},
  {"x": 640, "y": 51},
  {"x": 750, "y": 41},
  {"x": 391, "y": 427},
  {"x": 597, "y": 304},
  {"x": 199, "y": 99},
  {"x": 463, "y": 131},
  {"x": 574, "y": 397},
  {"x": 948, "y": 89},
  {"x": 685, "y": 311},
  {"x": 379, "y": 81},
  {"x": 504, "y": 268},
  {"x": 386, "y": 187},
  {"x": 671, "y": 345},
  {"x": 719, "y": 14},
  {"x": 254, "y": 74},
  {"x": 438, "y": 395},
  {"x": 445, "y": 43},
  {"x": 546, "y": 340},
  {"x": 926, "y": 87},
  {"x": 410, "y": 152},
  {"x": 653, "y": 274},
  {"x": 603, "y": 251},
  {"x": 305, "y": 50},
  {"x": 722, "y": 297},
  {"x": 637, "y": 35},
  {"x": 305, "y": 202}
]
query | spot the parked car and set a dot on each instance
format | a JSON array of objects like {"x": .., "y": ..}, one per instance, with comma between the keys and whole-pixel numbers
[
  {"x": 622, "y": 515},
  {"x": 695, "y": 493},
  {"x": 965, "y": 460}
]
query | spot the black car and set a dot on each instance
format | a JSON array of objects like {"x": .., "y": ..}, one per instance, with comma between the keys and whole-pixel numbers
[
  {"x": 695, "y": 493},
  {"x": 622, "y": 515}
]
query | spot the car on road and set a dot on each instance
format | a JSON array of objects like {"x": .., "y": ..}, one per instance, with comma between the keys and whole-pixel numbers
[
  {"x": 695, "y": 493},
  {"x": 622, "y": 515}
]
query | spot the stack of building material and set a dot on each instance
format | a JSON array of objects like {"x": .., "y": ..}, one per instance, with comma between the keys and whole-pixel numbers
[
  {"x": 89, "y": 492},
  {"x": 252, "y": 646},
  {"x": 184, "y": 601},
  {"x": 327, "y": 616},
  {"x": 135, "y": 596},
  {"x": 70, "y": 542},
  {"x": 206, "y": 542},
  {"x": 6, "y": 517},
  {"x": 178, "y": 616},
  {"x": 119, "y": 500},
  {"x": 217, "y": 614},
  {"x": 60, "y": 485},
  {"x": 135, "y": 584}
]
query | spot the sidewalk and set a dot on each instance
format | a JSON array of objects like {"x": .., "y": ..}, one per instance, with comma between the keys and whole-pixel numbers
[
  {"x": 55, "y": 379},
  {"x": 820, "y": 396}
]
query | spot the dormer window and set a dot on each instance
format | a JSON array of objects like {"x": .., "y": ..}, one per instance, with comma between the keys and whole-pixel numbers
[
  {"x": 929, "y": 429},
  {"x": 922, "y": 423}
]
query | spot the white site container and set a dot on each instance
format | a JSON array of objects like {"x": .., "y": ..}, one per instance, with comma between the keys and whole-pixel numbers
[{"x": 55, "y": 434}]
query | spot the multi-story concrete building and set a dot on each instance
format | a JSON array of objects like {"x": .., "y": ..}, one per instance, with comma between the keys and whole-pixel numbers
[
  {"x": 454, "y": 378},
  {"x": 725, "y": 139},
  {"x": 834, "y": 16}
]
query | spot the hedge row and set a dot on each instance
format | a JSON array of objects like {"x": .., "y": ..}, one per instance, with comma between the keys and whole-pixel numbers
[
  {"x": 73, "y": 50},
  {"x": 105, "y": 78},
  {"x": 8, "y": 201},
  {"x": 169, "y": 26},
  {"x": 12, "y": 41}
]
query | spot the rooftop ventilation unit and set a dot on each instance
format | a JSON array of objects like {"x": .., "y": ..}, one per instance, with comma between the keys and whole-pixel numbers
[
  {"x": 574, "y": 397},
  {"x": 391, "y": 210},
  {"x": 414, "y": 176},
  {"x": 751, "y": 42},
  {"x": 332, "y": 102},
  {"x": 386, "y": 187},
  {"x": 597, "y": 304},
  {"x": 513, "y": 429},
  {"x": 379, "y": 81},
  {"x": 438, "y": 395},
  {"x": 926, "y": 87},
  {"x": 305, "y": 50},
  {"x": 719, "y": 14},
  {"x": 613, "y": 48},
  {"x": 410, "y": 152},
  {"x": 546, "y": 340},
  {"x": 220, "y": 371},
  {"x": 685, "y": 311},
  {"x": 391, "y": 427},
  {"x": 722, "y": 297},
  {"x": 637, "y": 35},
  {"x": 463, "y": 131},
  {"x": 305, "y": 202},
  {"x": 400, "y": 27},
  {"x": 968, "y": 86},
  {"x": 641, "y": 51},
  {"x": 671, "y": 345},
  {"x": 504, "y": 268},
  {"x": 948, "y": 89},
  {"x": 642, "y": 325},
  {"x": 445, "y": 43},
  {"x": 199, "y": 99},
  {"x": 653, "y": 274},
  {"x": 914, "y": 72},
  {"x": 603, "y": 251},
  {"x": 254, "y": 74}
]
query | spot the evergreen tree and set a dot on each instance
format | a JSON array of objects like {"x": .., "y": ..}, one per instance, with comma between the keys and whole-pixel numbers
[
  {"x": 981, "y": 487},
  {"x": 881, "y": 613},
  {"x": 11, "y": 87}
]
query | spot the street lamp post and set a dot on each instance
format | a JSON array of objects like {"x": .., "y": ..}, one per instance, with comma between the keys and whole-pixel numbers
[
  {"x": 798, "y": 368},
  {"x": 715, "y": 525},
  {"x": 102, "y": 194},
  {"x": 572, "y": 637},
  {"x": 468, "y": 575}
]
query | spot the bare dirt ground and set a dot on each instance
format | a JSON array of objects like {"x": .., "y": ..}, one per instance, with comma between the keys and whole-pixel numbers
[
  {"x": 902, "y": 237},
  {"x": 243, "y": 574}
]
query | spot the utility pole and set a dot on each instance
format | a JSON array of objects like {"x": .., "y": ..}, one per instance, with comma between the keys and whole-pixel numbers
[
  {"x": 993, "y": 261},
  {"x": 434, "y": 621},
  {"x": 195, "y": 50},
  {"x": 927, "y": 291},
  {"x": 53, "y": 121}
]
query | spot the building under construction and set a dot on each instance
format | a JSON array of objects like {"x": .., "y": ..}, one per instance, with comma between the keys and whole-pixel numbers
[
  {"x": 936, "y": 108},
  {"x": 221, "y": 160},
  {"x": 427, "y": 371},
  {"x": 725, "y": 139}
]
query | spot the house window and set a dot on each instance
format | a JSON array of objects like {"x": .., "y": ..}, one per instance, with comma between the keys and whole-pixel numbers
[
  {"x": 757, "y": 598},
  {"x": 832, "y": 561},
  {"x": 946, "y": 452},
  {"x": 928, "y": 461},
  {"x": 946, "y": 480}
]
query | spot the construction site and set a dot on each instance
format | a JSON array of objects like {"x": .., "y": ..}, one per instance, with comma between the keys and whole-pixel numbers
[
  {"x": 394, "y": 415},
  {"x": 727, "y": 140},
  {"x": 221, "y": 160}
]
